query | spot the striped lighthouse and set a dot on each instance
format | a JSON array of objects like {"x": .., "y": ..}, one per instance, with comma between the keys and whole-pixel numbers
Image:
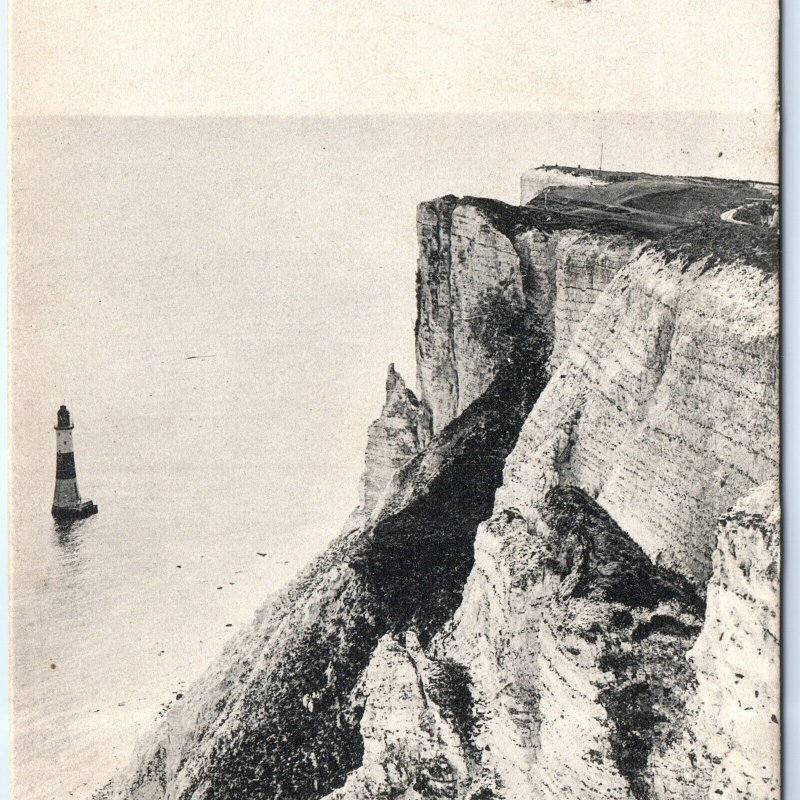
[{"x": 67, "y": 503}]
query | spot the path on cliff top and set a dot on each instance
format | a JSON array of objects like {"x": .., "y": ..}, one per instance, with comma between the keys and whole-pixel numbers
[
  {"x": 728, "y": 216},
  {"x": 655, "y": 204}
]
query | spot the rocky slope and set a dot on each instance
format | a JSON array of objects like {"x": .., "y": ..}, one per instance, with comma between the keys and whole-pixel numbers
[
  {"x": 544, "y": 592},
  {"x": 278, "y": 714}
]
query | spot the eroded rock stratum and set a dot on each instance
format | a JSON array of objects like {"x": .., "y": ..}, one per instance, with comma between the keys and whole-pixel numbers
[{"x": 563, "y": 576}]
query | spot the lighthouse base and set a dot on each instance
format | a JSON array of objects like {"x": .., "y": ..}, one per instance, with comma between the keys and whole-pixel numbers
[{"x": 68, "y": 513}]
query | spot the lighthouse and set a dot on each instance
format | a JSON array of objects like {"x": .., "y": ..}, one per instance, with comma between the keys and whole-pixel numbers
[{"x": 67, "y": 503}]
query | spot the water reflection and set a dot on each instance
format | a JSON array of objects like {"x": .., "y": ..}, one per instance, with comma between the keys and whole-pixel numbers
[{"x": 69, "y": 536}]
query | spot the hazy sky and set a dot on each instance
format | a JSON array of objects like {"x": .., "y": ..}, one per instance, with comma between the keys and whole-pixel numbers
[{"x": 362, "y": 56}]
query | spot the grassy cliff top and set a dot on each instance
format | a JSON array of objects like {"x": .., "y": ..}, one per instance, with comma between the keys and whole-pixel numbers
[
  {"x": 723, "y": 243},
  {"x": 641, "y": 205},
  {"x": 548, "y": 217}
]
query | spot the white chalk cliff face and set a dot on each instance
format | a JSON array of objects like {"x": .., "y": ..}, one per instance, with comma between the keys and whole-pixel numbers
[
  {"x": 585, "y": 264},
  {"x": 664, "y": 408},
  {"x": 471, "y": 303},
  {"x": 563, "y": 578}
]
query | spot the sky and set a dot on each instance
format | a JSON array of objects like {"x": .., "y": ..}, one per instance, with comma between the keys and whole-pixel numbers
[{"x": 202, "y": 57}]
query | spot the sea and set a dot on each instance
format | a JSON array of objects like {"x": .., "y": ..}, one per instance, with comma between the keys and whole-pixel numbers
[{"x": 216, "y": 300}]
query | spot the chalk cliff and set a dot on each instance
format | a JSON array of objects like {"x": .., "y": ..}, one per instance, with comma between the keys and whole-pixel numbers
[
  {"x": 488, "y": 274},
  {"x": 585, "y": 264},
  {"x": 665, "y": 406},
  {"x": 562, "y": 580},
  {"x": 471, "y": 305}
]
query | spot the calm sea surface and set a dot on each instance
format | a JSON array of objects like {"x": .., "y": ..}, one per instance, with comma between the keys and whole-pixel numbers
[{"x": 282, "y": 252}]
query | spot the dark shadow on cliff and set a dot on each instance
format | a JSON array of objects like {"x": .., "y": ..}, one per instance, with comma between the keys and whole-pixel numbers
[
  {"x": 417, "y": 557},
  {"x": 602, "y": 559}
]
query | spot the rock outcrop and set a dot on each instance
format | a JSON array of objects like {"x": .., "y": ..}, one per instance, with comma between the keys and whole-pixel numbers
[
  {"x": 545, "y": 591},
  {"x": 401, "y": 431}
]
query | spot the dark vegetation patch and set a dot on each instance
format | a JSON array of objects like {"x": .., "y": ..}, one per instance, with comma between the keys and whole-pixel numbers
[
  {"x": 651, "y": 675},
  {"x": 622, "y": 619},
  {"x": 436, "y": 780},
  {"x": 663, "y": 624},
  {"x": 722, "y": 243},
  {"x": 613, "y": 196},
  {"x": 749, "y": 214},
  {"x": 601, "y": 559},
  {"x": 278, "y": 746},
  {"x": 449, "y": 687},
  {"x": 631, "y": 706},
  {"x": 484, "y": 793},
  {"x": 496, "y": 323},
  {"x": 646, "y": 699},
  {"x": 754, "y": 213}
]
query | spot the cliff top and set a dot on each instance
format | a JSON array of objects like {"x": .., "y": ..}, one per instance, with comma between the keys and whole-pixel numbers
[
  {"x": 694, "y": 230},
  {"x": 655, "y": 204},
  {"x": 722, "y": 243},
  {"x": 547, "y": 217}
]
